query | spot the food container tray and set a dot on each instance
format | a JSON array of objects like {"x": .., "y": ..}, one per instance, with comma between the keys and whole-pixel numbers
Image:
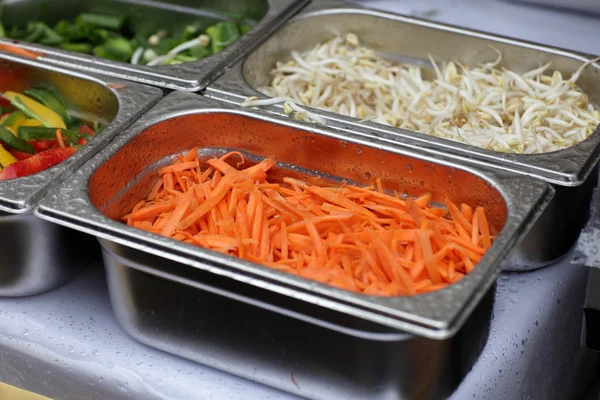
[
  {"x": 568, "y": 169},
  {"x": 135, "y": 258},
  {"x": 149, "y": 16},
  {"x": 37, "y": 255},
  {"x": 311, "y": 358},
  {"x": 113, "y": 182}
]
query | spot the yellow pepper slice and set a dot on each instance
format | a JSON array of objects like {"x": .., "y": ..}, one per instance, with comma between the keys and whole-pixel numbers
[
  {"x": 14, "y": 127},
  {"x": 6, "y": 158},
  {"x": 31, "y": 122},
  {"x": 48, "y": 117}
]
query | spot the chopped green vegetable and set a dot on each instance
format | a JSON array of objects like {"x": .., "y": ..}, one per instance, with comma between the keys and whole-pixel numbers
[
  {"x": 51, "y": 101},
  {"x": 200, "y": 52},
  {"x": 42, "y": 133},
  {"x": 12, "y": 118},
  {"x": 244, "y": 29},
  {"x": 2, "y": 31},
  {"x": 115, "y": 49},
  {"x": 111, "y": 22},
  {"x": 223, "y": 35},
  {"x": 10, "y": 140},
  {"x": 77, "y": 47},
  {"x": 112, "y": 37}
]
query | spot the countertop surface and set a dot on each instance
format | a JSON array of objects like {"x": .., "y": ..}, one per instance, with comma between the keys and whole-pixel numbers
[{"x": 67, "y": 344}]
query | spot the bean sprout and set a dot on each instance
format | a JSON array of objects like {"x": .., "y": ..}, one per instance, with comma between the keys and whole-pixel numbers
[{"x": 498, "y": 109}]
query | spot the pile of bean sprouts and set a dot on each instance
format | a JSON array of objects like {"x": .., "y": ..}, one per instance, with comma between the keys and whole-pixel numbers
[{"x": 486, "y": 106}]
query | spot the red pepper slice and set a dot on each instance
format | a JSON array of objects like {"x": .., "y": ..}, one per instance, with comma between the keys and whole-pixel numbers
[
  {"x": 81, "y": 141},
  {"x": 37, "y": 163},
  {"x": 87, "y": 130},
  {"x": 19, "y": 155},
  {"x": 41, "y": 145}
]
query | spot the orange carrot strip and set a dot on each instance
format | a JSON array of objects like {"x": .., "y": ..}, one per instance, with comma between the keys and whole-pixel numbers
[
  {"x": 59, "y": 138},
  {"x": 467, "y": 244},
  {"x": 379, "y": 185},
  {"x": 19, "y": 51},
  {"x": 467, "y": 211},
  {"x": 152, "y": 211},
  {"x": 423, "y": 201},
  {"x": 475, "y": 231},
  {"x": 178, "y": 167},
  {"x": 434, "y": 273},
  {"x": 484, "y": 227},
  {"x": 215, "y": 197},
  {"x": 177, "y": 214},
  {"x": 458, "y": 216}
]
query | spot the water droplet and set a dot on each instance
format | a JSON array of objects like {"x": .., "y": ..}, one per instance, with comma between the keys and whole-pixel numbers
[
  {"x": 109, "y": 365},
  {"x": 513, "y": 289},
  {"x": 95, "y": 352}
]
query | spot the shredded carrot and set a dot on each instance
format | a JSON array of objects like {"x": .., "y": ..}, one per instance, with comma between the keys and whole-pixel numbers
[
  {"x": 20, "y": 51},
  {"x": 59, "y": 138},
  {"x": 359, "y": 239}
]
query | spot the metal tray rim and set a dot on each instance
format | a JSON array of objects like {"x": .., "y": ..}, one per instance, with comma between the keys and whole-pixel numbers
[
  {"x": 232, "y": 87},
  {"x": 71, "y": 206},
  {"x": 19, "y": 196}
]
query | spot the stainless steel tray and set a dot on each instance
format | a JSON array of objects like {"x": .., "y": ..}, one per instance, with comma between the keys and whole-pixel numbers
[
  {"x": 566, "y": 169},
  {"x": 112, "y": 182},
  {"x": 149, "y": 16},
  {"x": 38, "y": 256},
  {"x": 158, "y": 284},
  {"x": 187, "y": 315}
]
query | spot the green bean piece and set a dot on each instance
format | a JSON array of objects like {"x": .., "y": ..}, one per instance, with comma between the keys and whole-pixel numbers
[
  {"x": 200, "y": 52},
  {"x": 12, "y": 118},
  {"x": 111, "y": 22},
  {"x": 42, "y": 133},
  {"x": 244, "y": 29},
  {"x": 118, "y": 49},
  {"x": 77, "y": 47},
  {"x": 10, "y": 140}
]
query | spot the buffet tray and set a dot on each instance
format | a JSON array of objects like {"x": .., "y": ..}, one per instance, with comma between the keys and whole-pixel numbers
[
  {"x": 193, "y": 76},
  {"x": 112, "y": 183},
  {"x": 37, "y": 255}
]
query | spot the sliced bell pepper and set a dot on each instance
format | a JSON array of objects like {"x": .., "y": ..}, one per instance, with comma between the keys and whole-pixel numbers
[
  {"x": 41, "y": 145},
  {"x": 35, "y": 110},
  {"x": 19, "y": 155},
  {"x": 6, "y": 159},
  {"x": 31, "y": 122},
  {"x": 37, "y": 163},
  {"x": 87, "y": 130},
  {"x": 49, "y": 100}
]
